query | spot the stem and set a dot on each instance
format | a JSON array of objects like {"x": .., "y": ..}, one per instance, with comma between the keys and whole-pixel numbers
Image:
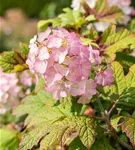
[
  {"x": 112, "y": 108},
  {"x": 110, "y": 128}
]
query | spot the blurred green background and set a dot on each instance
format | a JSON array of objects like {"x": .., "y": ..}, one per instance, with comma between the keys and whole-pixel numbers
[
  {"x": 36, "y": 8},
  {"x": 18, "y": 19}
]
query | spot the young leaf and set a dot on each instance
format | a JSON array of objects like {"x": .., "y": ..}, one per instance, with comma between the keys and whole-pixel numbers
[
  {"x": 14, "y": 61},
  {"x": 106, "y": 13},
  {"x": 44, "y": 24},
  {"x": 71, "y": 18},
  {"x": 129, "y": 128}
]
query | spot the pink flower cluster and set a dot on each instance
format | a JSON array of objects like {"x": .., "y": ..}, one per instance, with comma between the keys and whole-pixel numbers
[
  {"x": 26, "y": 78},
  {"x": 64, "y": 62},
  {"x": 105, "y": 78},
  {"x": 8, "y": 90},
  {"x": 12, "y": 88}
]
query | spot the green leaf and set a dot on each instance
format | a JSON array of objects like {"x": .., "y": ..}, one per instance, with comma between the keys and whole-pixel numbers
[
  {"x": 9, "y": 139},
  {"x": 14, "y": 61},
  {"x": 44, "y": 24},
  {"x": 52, "y": 122},
  {"x": 125, "y": 59},
  {"x": 76, "y": 144},
  {"x": 71, "y": 18},
  {"x": 115, "y": 120},
  {"x": 40, "y": 85},
  {"x": 87, "y": 41},
  {"x": 123, "y": 87},
  {"x": 33, "y": 104},
  {"x": 119, "y": 77},
  {"x": 131, "y": 25},
  {"x": 58, "y": 131},
  {"x": 93, "y": 34},
  {"x": 129, "y": 128},
  {"x": 102, "y": 144},
  {"x": 90, "y": 18},
  {"x": 130, "y": 78},
  {"x": 116, "y": 41},
  {"x": 105, "y": 13}
]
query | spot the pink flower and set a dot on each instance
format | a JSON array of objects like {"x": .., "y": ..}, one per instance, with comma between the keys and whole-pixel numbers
[
  {"x": 43, "y": 53},
  {"x": 94, "y": 56},
  {"x": 9, "y": 91},
  {"x": 74, "y": 44},
  {"x": 59, "y": 55},
  {"x": 90, "y": 90},
  {"x": 77, "y": 88},
  {"x": 26, "y": 78},
  {"x": 64, "y": 62},
  {"x": 43, "y": 35},
  {"x": 40, "y": 66},
  {"x": 52, "y": 75},
  {"x": 133, "y": 54},
  {"x": 105, "y": 78},
  {"x": 54, "y": 42},
  {"x": 58, "y": 90}
]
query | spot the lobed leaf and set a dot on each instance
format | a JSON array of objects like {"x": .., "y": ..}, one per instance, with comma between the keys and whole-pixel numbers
[
  {"x": 54, "y": 123},
  {"x": 123, "y": 87},
  {"x": 14, "y": 61},
  {"x": 33, "y": 104},
  {"x": 116, "y": 41},
  {"x": 71, "y": 18},
  {"x": 129, "y": 128}
]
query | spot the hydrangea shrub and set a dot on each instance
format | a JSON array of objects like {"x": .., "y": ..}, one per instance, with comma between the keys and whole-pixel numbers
[{"x": 81, "y": 94}]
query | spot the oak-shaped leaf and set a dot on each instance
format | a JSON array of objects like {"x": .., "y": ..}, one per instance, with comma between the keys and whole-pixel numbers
[
  {"x": 117, "y": 41},
  {"x": 50, "y": 122}
]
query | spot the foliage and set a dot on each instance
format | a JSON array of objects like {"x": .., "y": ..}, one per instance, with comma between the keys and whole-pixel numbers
[
  {"x": 14, "y": 61},
  {"x": 54, "y": 123},
  {"x": 85, "y": 96},
  {"x": 123, "y": 88},
  {"x": 9, "y": 139},
  {"x": 117, "y": 41}
]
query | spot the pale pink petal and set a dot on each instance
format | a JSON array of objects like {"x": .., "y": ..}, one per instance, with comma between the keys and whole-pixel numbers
[
  {"x": 40, "y": 66},
  {"x": 43, "y": 53}
]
